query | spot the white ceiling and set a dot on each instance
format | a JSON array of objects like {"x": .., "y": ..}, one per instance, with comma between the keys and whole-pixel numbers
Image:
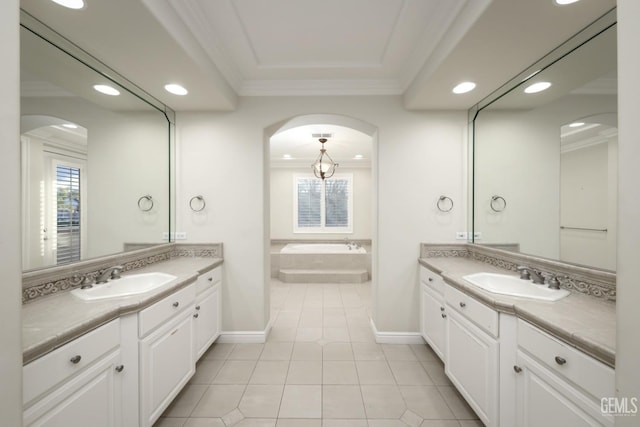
[{"x": 223, "y": 49}]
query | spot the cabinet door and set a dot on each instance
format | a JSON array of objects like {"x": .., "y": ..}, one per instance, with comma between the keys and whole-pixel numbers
[
  {"x": 92, "y": 398},
  {"x": 472, "y": 365},
  {"x": 546, "y": 400},
  {"x": 166, "y": 364},
  {"x": 433, "y": 320},
  {"x": 206, "y": 323}
]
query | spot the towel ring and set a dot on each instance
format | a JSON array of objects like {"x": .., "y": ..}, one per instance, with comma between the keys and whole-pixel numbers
[
  {"x": 202, "y": 203},
  {"x": 442, "y": 202},
  {"x": 149, "y": 203},
  {"x": 495, "y": 201}
]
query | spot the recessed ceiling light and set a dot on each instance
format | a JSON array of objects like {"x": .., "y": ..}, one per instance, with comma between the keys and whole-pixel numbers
[
  {"x": 464, "y": 87},
  {"x": 71, "y": 4},
  {"x": 176, "y": 89},
  {"x": 564, "y": 2},
  {"x": 70, "y": 126},
  {"x": 576, "y": 124},
  {"x": 107, "y": 90},
  {"x": 287, "y": 156},
  {"x": 358, "y": 156},
  {"x": 537, "y": 87}
]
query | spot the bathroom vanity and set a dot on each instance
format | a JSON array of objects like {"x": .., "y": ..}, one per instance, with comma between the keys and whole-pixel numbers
[
  {"x": 119, "y": 361},
  {"x": 517, "y": 361}
]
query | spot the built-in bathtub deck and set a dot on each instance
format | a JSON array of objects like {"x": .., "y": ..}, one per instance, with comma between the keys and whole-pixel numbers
[{"x": 323, "y": 276}]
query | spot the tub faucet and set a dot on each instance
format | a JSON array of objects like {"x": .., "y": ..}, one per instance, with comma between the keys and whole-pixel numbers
[
  {"x": 109, "y": 273},
  {"x": 527, "y": 273}
]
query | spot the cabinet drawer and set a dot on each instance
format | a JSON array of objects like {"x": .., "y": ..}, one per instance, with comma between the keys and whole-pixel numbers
[
  {"x": 163, "y": 310},
  {"x": 594, "y": 377},
  {"x": 208, "y": 279},
  {"x": 432, "y": 280},
  {"x": 48, "y": 371},
  {"x": 483, "y": 316}
]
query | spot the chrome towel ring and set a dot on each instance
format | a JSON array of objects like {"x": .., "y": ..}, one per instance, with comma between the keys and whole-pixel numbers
[
  {"x": 145, "y": 203},
  {"x": 498, "y": 203},
  {"x": 443, "y": 202},
  {"x": 199, "y": 205}
]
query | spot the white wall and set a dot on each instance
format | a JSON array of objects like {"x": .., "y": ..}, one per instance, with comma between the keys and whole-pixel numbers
[
  {"x": 517, "y": 157},
  {"x": 10, "y": 264},
  {"x": 282, "y": 191},
  {"x": 628, "y": 315},
  {"x": 222, "y": 157}
]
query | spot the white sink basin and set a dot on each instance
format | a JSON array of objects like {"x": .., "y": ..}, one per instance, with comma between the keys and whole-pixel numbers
[
  {"x": 132, "y": 284},
  {"x": 513, "y": 286}
]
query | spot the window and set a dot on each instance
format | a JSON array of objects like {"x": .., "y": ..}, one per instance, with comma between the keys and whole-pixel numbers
[
  {"x": 323, "y": 206},
  {"x": 67, "y": 214}
]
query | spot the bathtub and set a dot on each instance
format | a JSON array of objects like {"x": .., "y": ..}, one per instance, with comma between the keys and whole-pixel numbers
[{"x": 321, "y": 248}]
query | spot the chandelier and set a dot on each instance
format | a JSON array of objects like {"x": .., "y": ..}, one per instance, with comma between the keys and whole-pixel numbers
[{"x": 324, "y": 166}]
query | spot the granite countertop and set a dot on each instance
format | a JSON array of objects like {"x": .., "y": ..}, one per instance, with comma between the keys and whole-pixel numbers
[
  {"x": 584, "y": 322},
  {"x": 52, "y": 321}
]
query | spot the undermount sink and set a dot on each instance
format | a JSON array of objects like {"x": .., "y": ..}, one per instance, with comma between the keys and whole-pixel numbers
[
  {"x": 132, "y": 284},
  {"x": 513, "y": 286}
]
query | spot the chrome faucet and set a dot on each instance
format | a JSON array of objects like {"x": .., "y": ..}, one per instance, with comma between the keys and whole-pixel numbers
[
  {"x": 112, "y": 273},
  {"x": 527, "y": 273}
]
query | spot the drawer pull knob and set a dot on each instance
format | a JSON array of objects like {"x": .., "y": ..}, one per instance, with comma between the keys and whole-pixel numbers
[
  {"x": 119, "y": 368},
  {"x": 195, "y": 315},
  {"x": 75, "y": 359},
  {"x": 176, "y": 304},
  {"x": 560, "y": 360},
  {"x": 197, "y": 307},
  {"x": 463, "y": 305},
  {"x": 431, "y": 279},
  {"x": 443, "y": 315},
  {"x": 210, "y": 279},
  {"x": 517, "y": 368},
  {"x": 441, "y": 308}
]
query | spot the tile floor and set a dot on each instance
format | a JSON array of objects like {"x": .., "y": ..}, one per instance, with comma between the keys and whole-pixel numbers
[{"x": 320, "y": 367}]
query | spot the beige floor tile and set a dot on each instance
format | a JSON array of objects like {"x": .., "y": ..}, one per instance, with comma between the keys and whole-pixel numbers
[
  {"x": 285, "y": 422},
  {"x": 246, "y": 352},
  {"x": 233, "y": 417},
  {"x": 218, "y": 401},
  {"x": 382, "y": 401},
  {"x": 424, "y": 353},
  {"x": 442, "y": 423},
  {"x": 460, "y": 408},
  {"x": 308, "y": 334},
  {"x": 287, "y": 319},
  {"x": 185, "y": 401},
  {"x": 311, "y": 318},
  {"x": 334, "y": 321},
  {"x": 235, "y": 372},
  {"x": 342, "y": 401},
  {"x": 344, "y": 423},
  {"x": 206, "y": 370},
  {"x": 367, "y": 351},
  {"x": 301, "y": 401},
  {"x": 204, "y": 422},
  {"x": 436, "y": 372},
  {"x": 336, "y": 335},
  {"x": 256, "y": 422},
  {"x": 270, "y": 372},
  {"x": 306, "y": 351},
  {"x": 337, "y": 351},
  {"x": 374, "y": 372},
  {"x": 398, "y": 352},
  {"x": 427, "y": 402},
  {"x": 279, "y": 334},
  {"x": 339, "y": 372},
  {"x": 361, "y": 334},
  {"x": 277, "y": 351},
  {"x": 411, "y": 418},
  {"x": 386, "y": 423},
  {"x": 261, "y": 401},
  {"x": 409, "y": 373},
  {"x": 471, "y": 423},
  {"x": 219, "y": 351},
  {"x": 170, "y": 422},
  {"x": 305, "y": 372}
]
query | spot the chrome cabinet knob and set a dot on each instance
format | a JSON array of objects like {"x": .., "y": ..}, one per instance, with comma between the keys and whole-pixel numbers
[
  {"x": 119, "y": 368},
  {"x": 196, "y": 315},
  {"x": 176, "y": 304},
  {"x": 197, "y": 307},
  {"x": 517, "y": 368},
  {"x": 441, "y": 308},
  {"x": 210, "y": 279},
  {"x": 560, "y": 360},
  {"x": 431, "y": 279},
  {"x": 462, "y": 304},
  {"x": 443, "y": 315},
  {"x": 75, "y": 359}
]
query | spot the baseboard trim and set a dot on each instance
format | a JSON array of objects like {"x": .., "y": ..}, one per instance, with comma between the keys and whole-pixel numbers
[
  {"x": 245, "y": 337},
  {"x": 396, "y": 337}
]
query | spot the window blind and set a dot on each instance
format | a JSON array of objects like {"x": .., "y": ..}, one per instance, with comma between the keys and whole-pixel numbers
[
  {"x": 309, "y": 202},
  {"x": 68, "y": 214}
]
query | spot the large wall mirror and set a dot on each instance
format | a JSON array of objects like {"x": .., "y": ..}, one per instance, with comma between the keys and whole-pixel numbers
[
  {"x": 95, "y": 166},
  {"x": 545, "y": 162}
]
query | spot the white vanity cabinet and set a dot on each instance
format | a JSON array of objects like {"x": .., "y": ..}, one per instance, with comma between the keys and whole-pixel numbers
[
  {"x": 433, "y": 317},
  {"x": 78, "y": 384},
  {"x": 208, "y": 310},
  {"x": 166, "y": 358},
  {"x": 472, "y": 353},
  {"x": 558, "y": 385}
]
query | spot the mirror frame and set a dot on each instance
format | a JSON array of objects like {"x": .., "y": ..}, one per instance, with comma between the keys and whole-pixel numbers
[{"x": 66, "y": 46}]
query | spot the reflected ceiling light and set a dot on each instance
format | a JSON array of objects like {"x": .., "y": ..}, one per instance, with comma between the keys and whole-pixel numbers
[
  {"x": 71, "y": 4},
  {"x": 576, "y": 124},
  {"x": 107, "y": 90},
  {"x": 464, "y": 87},
  {"x": 537, "y": 87},
  {"x": 358, "y": 156},
  {"x": 70, "y": 126},
  {"x": 176, "y": 89},
  {"x": 324, "y": 167},
  {"x": 287, "y": 156},
  {"x": 564, "y": 2}
]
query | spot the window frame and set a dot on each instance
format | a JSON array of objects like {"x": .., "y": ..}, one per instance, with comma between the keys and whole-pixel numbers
[{"x": 323, "y": 229}]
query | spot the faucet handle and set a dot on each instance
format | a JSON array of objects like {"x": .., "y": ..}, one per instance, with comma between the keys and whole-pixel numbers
[
  {"x": 87, "y": 283},
  {"x": 115, "y": 273},
  {"x": 554, "y": 283},
  {"x": 524, "y": 272}
]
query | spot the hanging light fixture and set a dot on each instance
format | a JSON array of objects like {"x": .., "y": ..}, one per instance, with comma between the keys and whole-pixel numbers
[{"x": 324, "y": 166}]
